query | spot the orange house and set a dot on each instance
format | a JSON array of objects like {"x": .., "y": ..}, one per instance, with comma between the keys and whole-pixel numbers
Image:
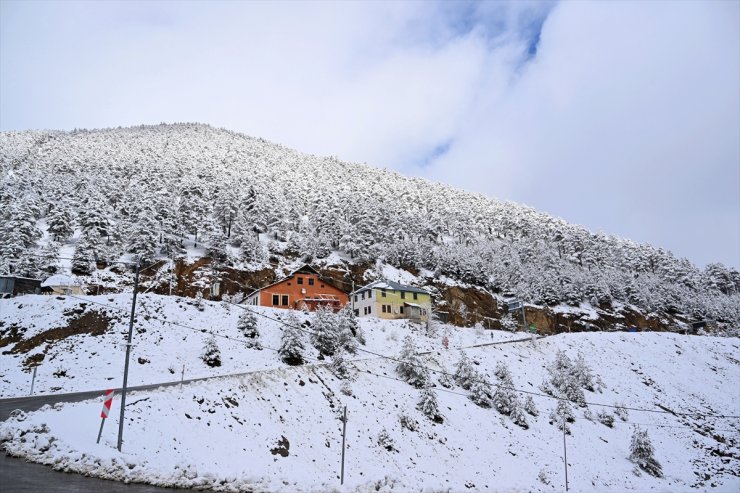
[{"x": 301, "y": 289}]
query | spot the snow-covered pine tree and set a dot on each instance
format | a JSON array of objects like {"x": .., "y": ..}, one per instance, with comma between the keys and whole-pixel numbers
[
  {"x": 464, "y": 372},
  {"x": 86, "y": 253},
  {"x": 411, "y": 368},
  {"x": 211, "y": 354},
  {"x": 49, "y": 258},
  {"x": 247, "y": 324},
  {"x": 347, "y": 318},
  {"x": 530, "y": 407},
  {"x": 325, "y": 336},
  {"x": 339, "y": 366},
  {"x": 505, "y": 398},
  {"x": 582, "y": 373},
  {"x": 60, "y": 223},
  {"x": 252, "y": 251},
  {"x": 480, "y": 391},
  {"x": 291, "y": 343},
  {"x": 428, "y": 404},
  {"x": 562, "y": 415},
  {"x": 643, "y": 454}
]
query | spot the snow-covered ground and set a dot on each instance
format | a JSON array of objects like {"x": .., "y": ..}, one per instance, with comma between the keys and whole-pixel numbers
[
  {"x": 169, "y": 332},
  {"x": 280, "y": 429}
]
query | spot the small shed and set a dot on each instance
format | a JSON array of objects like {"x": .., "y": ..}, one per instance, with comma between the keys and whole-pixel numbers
[
  {"x": 14, "y": 285},
  {"x": 61, "y": 284}
]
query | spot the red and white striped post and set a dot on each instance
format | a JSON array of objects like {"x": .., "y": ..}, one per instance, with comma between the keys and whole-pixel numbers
[{"x": 106, "y": 410}]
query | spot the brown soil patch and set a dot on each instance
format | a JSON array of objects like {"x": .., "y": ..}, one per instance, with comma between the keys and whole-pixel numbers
[{"x": 92, "y": 323}]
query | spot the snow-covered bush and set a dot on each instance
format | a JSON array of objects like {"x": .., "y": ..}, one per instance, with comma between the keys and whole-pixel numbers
[
  {"x": 530, "y": 407},
  {"x": 346, "y": 388},
  {"x": 605, "y": 418},
  {"x": 211, "y": 354},
  {"x": 198, "y": 302},
  {"x": 621, "y": 411},
  {"x": 339, "y": 366},
  {"x": 386, "y": 441},
  {"x": 410, "y": 366},
  {"x": 642, "y": 453},
  {"x": 408, "y": 422}
]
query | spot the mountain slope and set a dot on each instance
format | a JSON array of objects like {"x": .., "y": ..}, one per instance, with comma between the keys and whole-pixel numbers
[{"x": 84, "y": 200}]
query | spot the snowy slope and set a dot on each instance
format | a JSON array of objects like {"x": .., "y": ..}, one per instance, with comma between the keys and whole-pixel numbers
[
  {"x": 169, "y": 332},
  {"x": 279, "y": 429}
]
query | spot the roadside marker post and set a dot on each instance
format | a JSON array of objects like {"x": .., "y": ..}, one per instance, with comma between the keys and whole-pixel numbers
[
  {"x": 182, "y": 376},
  {"x": 106, "y": 410}
]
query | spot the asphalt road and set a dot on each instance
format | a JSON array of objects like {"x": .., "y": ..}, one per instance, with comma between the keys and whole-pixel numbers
[{"x": 17, "y": 475}]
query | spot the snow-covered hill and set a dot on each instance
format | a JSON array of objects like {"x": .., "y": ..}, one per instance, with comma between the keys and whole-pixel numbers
[
  {"x": 279, "y": 428},
  {"x": 85, "y": 200}
]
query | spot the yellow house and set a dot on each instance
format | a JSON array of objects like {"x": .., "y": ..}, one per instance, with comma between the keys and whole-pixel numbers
[{"x": 390, "y": 300}]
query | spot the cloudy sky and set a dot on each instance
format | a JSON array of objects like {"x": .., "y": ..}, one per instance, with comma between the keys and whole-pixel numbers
[{"x": 623, "y": 117}]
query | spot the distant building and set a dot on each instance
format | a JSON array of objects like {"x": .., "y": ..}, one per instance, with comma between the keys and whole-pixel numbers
[
  {"x": 13, "y": 286},
  {"x": 391, "y": 300},
  {"x": 62, "y": 284},
  {"x": 302, "y": 289}
]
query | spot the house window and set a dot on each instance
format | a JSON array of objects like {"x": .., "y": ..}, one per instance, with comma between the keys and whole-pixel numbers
[
  {"x": 370, "y": 294},
  {"x": 403, "y": 295},
  {"x": 383, "y": 308},
  {"x": 323, "y": 286},
  {"x": 369, "y": 309},
  {"x": 285, "y": 300},
  {"x": 275, "y": 299},
  {"x": 355, "y": 298},
  {"x": 310, "y": 281},
  {"x": 401, "y": 308},
  {"x": 363, "y": 295},
  {"x": 364, "y": 311},
  {"x": 416, "y": 297},
  {"x": 383, "y": 292},
  {"x": 300, "y": 280}
]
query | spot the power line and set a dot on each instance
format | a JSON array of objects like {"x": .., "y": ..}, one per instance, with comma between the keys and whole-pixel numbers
[
  {"x": 391, "y": 358},
  {"x": 539, "y": 394}
]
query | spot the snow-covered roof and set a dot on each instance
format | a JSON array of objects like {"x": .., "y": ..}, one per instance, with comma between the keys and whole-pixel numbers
[
  {"x": 305, "y": 269},
  {"x": 58, "y": 280},
  {"x": 392, "y": 285},
  {"x": 412, "y": 304}
]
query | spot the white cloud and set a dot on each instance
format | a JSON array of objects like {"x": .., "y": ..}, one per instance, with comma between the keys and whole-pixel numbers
[{"x": 626, "y": 119}]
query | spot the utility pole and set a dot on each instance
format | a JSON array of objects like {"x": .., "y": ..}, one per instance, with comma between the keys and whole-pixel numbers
[
  {"x": 344, "y": 434},
  {"x": 33, "y": 379},
  {"x": 128, "y": 354},
  {"x": 565, "y": 456},
  {"x": 524, "y": 316}
]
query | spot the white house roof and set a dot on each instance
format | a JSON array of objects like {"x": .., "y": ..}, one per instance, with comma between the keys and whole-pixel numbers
[
  {"x": 396, "y": 286},
  {"x": 58, "y": 280}
]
